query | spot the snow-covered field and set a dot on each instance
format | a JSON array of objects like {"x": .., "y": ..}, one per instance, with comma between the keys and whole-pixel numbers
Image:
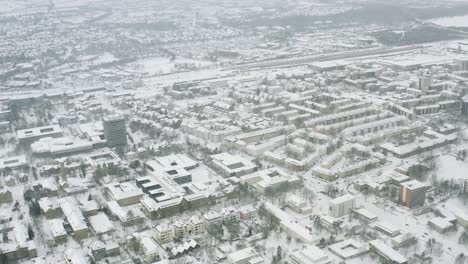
[
  {"x": 456, "y": 21},
  {"x": 163, "y": 65}
]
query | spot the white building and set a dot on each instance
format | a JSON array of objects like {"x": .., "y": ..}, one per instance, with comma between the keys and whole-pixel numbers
[
  {"x": 242, "y": 256},
  {"x": 298, "y": 205},
  {"x": 163, "y": 233},
  {"x": 149, "y": 248},
  {"x": 27, "y": 136},
  {"x": 231, "y": 214},
  {"x": 13, "y": 162},
  {"x": 349, "y": 248},
  {"x": 124, "y": 193},
  {"x": 232, "y": 165},
  {"x": 74, "y": 217},
  {"x": 311, "y": 255},
  {"x": 387, "y": 252},
  {"x": 342, "y": 205},
  {"x": 212, "y": 218}
]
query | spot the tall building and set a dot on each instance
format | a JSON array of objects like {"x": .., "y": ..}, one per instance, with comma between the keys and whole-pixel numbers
[
  {"x": 115, "y": 131},
  {"x": 461, "y": 64},
  {"x": 465, "y": 187},
  {"x": 342, "y": 205},
  {"x": 425, "y": 82},
  {"x": 412, "y": 193},
  {"x": 465, "y": 106}
]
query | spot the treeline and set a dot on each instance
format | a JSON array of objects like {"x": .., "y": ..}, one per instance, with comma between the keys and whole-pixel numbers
[{"x": 418, "y": 35}]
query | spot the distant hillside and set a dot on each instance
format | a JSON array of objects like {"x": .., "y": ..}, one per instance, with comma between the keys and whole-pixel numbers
[
  {"x": 419, "y": 35},
  {"x": 378, "y": 13}
]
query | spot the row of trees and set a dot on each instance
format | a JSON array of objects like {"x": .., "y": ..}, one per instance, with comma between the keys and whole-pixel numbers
[{"x": 108, "y": 169}]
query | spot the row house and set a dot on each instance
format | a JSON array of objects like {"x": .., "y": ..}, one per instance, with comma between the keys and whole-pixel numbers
[{"x": 166, "y": 233}]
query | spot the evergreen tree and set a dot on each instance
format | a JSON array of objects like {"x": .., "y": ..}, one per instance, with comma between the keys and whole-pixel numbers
[{"x": 30, "y": 233}]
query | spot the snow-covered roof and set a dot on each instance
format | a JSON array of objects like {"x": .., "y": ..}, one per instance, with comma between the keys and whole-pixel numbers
[
  {"x": 388, "y": 252},
  {"x": 101, "y": 223},
  {"x": 13, "y": 162}
]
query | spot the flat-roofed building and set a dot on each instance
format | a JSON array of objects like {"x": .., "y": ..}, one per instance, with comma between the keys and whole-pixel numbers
[
  {"x": 163, "y": 233},
  {"x": 181, "y": 229},
  {"x": 13, "y": 162},
  {"x": 270, "y": 180},
  {"x": 412, "y": 193},
  {"x": 28, "y": 136},
  {"x": 242, "y": 256},
  {"x": 365, "y": 215},
  {"x": 126, "y": 215},
  {"x": 5, "y": 115},
  {"x": 197, "y": 225},
  {"x": 150, "y": 249},
  {"x": 288, "y": 224},
  {"x": 174, "y": 166},
  {"x": 440, "y": 224},
  {"x": 388, "y": 253},
  {"x": 232, "y": 165},
  {"x": 342, "y": 205},
  {"x": 403, "y": 240},
  {"x": 19, "y": 246},
  {"x": 387, "y": 228},
  {"x": 462, "y": 218},
  {"x": 73, "y": 256},
  {"x": 176, "y": 161},
  {"x": 115, "y": 131},
  {"x": 298, "y": 205},
  {"x": 102, "y": 158},
  {"x": 124, "y": 193},
  {"x": 60, "y": 146},
  {"x": 94, "y": 132},
  {"x": 349, "y": 248},
  {"x": 57, "y": 230},
  {"x": 101, "y": 223},
  {"x": 310, "y": 255}
]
